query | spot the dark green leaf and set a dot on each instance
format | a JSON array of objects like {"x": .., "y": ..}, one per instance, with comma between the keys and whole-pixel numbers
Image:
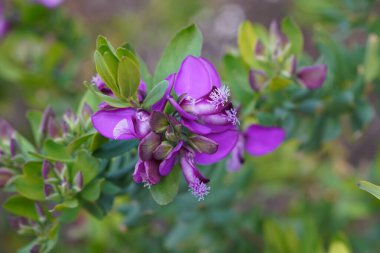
[
  {"x": 165, "y": 191},
  {"x": 115, "y": 148}
]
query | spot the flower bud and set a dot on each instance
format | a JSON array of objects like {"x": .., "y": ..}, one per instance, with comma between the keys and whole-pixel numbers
[
  {"x": 203, "y": 144},
  {"x": 40, "y": 212},
  {"x": 171, "y": 135},
  {"x": 6, "y": 129},
  {"x": 148, "y": 145},
  {"x": 257, "y": 79},
  {"x": 78, "y": 181},
  {"x": 53, "y": 129},
  {"x": 48, "y": 191},
  {"x": 48, "y": 113},
  {"x": 86, "y": 113},
  {"x": 162, "y": 150},
  {"x": 46, "y": 167},
  {"x": 13, "y": 147},
  {"x": 158, "y": 122},
  {"x": 312, "y": 77}
]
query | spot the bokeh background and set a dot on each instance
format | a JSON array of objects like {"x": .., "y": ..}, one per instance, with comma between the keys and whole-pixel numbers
[{"x": 289, "y": 201}]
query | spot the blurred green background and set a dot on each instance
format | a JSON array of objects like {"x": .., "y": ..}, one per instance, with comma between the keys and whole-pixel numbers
[{"x": 289, "y": 201}]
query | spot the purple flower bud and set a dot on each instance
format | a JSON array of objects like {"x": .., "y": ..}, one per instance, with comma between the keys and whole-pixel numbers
[
  {"x": 276, "y": 35},
  {"x": 64, "y": 127},
  {"x": 5, "y": 175},
  {"x": 158, "y": 122},
  {"x": 171, "y": 135},
  {"x": 86, "y": 112},
  {"x": 148, "y": 145},
  {"x": 141, "y": 91},
  {"x": 53, "y": 128},
  {"x": 48, "y": 190},
  {"x": 46, "y": 167},
  {"x": 259, "y": 48},
  {"x": 59, "y": 168},
  {"x": 78, "y": 180},
  {"x": 312, "y": 77},
  {"x": 203, "y": 144},
  {"x": 40, "y": 212},
  {"x": 101, "y": 85},
  {"x": 13, "y": 147},
  {"x": 146, "y": 172},
  {"x": 162, "y": 150},
  {"x": 18, "y": 222},
  {"x": 48, "y": 113},
  {"x": 36, "y": 248},
  {"x": 197, "y": 182},
  {"x": 6, "y": 129},
  {"x": 257, "y": 79},
  {"x": 69, "y": 118}
]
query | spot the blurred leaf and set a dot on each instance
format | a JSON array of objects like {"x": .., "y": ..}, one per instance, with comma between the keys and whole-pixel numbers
[
  {"x": 21, "y": 206},
  {"x": 105, "y": 73},
  {"x": 76, "y": 143},
  {"x": 372, "y": 59},
  {"x": 294, "y": 34},
  {"x": 165, "y": 191},
  {"x": 69, "y": 203},
  {"x": 115, "y": 148},
  {"x": 186, "y": 42},
  {"x": 55, "y": 151},
  {"x": 370, "y": 188},
  {"x": 35, "y": 118},
  {"x": 91, "y": 192},
  {"x": 30, "y": 187},
  {"x": 338, "y": 247},
  {"x": 247, "y": 40},
  {"x": 155, "y": 94},
  {"x": 88, "y": 165}
]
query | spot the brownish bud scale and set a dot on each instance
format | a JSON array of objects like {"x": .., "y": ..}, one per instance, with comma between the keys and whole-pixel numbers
[
  {"x": 158, "y": 122},
  {"x": 148, "y": 145},
  {"x": 203, "y": 144},
  {"x": 161, "y": 152}
]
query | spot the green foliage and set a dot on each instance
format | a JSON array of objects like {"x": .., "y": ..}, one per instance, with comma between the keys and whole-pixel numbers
[{"x": 165, "y": 192}]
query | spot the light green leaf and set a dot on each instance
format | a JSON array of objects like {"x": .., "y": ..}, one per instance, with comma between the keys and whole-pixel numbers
[
  {"x": 72, "y": 203},
  {"x": 87, "y": 164},
  {"x": 155, "y": 94},
  {"x": 30, "y": 187},
  {"x": 128, "y": 77},
  {"x": 56, "y": 152},
  {"x": 34, "y": 118},
  {"x": 165, "y": 191},
  {"x": 372, "y": 58},
  {"x": 21, "y": 206},
  {"x": 105, "y": 73},
  {"x": 186, "y": 42},
  {"x": 247, "y": 40},
  {"x": 370, "y": 188},
  {"x": 294, "y": 34}
]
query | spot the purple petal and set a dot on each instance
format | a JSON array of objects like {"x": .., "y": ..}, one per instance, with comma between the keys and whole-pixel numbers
[
  {"x": 194, "y": 78},
  {"x": 151, "y": 168},
  {"x": 160, "y": 105},
  {"x": 148, "y": 145},
  {"x": 190, "y": 172},
  {"x": 141, "y": 91},
  {"x": 236, "y": 158},
  {"x": 50, "y": 3},
  {"x": 179, "y": 109},
  {"x": 261, "y": 140},
  {"x": 196, "y": 127},
  {"x": 115, "y": 124},
  {"x": 138, "y": 174},
  {"x": 312, "y": 77},
  {"x": 213, "y": 74},
  {"x": 167, "y": 164},
  {"x": 226, "y": 142}
]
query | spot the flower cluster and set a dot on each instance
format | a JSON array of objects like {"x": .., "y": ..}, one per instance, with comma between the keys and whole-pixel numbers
[
  {"x": 279, "y": 54},
  {"x": 189, "y": 125}
]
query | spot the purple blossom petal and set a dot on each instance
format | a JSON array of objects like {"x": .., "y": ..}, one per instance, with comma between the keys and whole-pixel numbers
[
  {"x": 115, "y": 124},
  {"x": 312, "y": 77},
  {"x": 213, "y": 74},
  {"x": 141, "y": 91},
  {"x": 146, "y": 172},
  {"x": 226, "y": 142},
  {"x": 195, "y": 78},
  {"x": 50, "y": 3},
  {"x": 179, "y": 109},
  {"x": 196, "y": 127},
  {"x": 167, "y": 164},
  {"x": 236, "y": 158},
  {"x": 261, "y": 140}
]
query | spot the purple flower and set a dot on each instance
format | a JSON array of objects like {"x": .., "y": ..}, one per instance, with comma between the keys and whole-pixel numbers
[
  {"x": 312, "y": 77},
  {"x": 257, "y": 141},
  {"x": 50, "y": 3}
]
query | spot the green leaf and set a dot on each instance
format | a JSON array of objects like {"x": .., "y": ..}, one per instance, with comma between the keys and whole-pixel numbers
[
  {"x": 155, "y": 94},
  {"x": 21, "y": 206},
  {"x": 278, "y": 83},
  {"x": 115, "y": 148},
  {"x": 33, "y": 169},
  {"x": 247, "y": 40},
  {"x": 128, "y": 77},
  {"x": 294, "y": 34},
  {"x": 115, "y": 102},
  {"x": 372, "y": 58},
  {"x": 88, "y": 165},
  {"x": 35, "y": 118},
  {"x": 165, "y": 191},
  {"x": 56, "y": 152},
  {"x": 76, "y": 143},
  {"x": 30, "y": 187},
  {"x": 70, "y": 204},
  {"x": 186, "y": 42},
  {"x": 370, "y": 188},
  {"x": 92, "y": 191},
  {"x": 105, "y": 73},
  {"x": 90, "y": 98},
  {"x": 102, "y": 41}
]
